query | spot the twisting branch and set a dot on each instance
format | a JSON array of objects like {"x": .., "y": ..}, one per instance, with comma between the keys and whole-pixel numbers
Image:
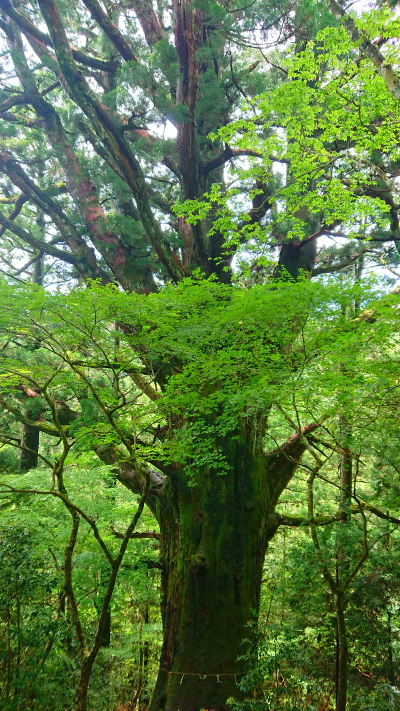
[
  {"x": 310, "y": 505},
  {"x": 68, "y": 586},
  {"x": 72, "y": 508},
  {"x": 41, "y": 426},
  {"x": 109, "y": 132},
  {"x": 91, "y": 656}
]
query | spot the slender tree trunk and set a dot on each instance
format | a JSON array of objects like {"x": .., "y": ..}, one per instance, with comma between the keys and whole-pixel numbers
[
  {"x": 341, "y": 691},
  {"x": 142, "y": 686},
  {"x": 9, "y": 656},
  {"x": 346, "y": 467},
  {"x": 390, "y": 665},
  {"x": 82, "y": 689},
  {"x": 343, "y": 566}
]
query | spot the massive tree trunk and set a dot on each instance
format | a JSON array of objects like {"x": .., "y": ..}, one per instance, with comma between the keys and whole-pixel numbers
[
  {"x": 213, "y": 543},
  {"x": 215, "y": 533}
]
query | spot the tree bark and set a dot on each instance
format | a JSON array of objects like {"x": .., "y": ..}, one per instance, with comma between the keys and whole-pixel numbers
[
  {"x": 213, "y": 545},
  {"x": 29, "y": 444},
  {"x": 30, "y": 435},
  {"x": 297, "y": 259},
  {"x": 214, "y": 536},
  {"x": 341, "y": 690}
]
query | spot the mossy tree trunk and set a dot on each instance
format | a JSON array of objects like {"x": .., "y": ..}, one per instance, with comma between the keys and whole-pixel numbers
[{"x": 214, "y": 538}]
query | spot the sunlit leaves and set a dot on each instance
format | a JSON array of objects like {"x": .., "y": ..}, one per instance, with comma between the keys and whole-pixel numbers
[
  {"x": 334, "y": 127},
  {"x": 223, "y": 354}
]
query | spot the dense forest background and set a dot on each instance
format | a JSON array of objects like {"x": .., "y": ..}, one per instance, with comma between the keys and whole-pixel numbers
[{"x": 199, "y": 356}]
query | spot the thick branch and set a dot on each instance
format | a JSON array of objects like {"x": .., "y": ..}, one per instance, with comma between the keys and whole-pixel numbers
[
  {"x": 230, "y": 153},
  {"x": 331, "y": 268},
  {"x": 109, "y": 132},
  {"x": 41, "y": 426},
  {"x": 139, "y": 534},
  {"x": 38, "y": 244},
  {"x": 30, "y": 190},
  {"x": 18, "y": 205},
  {"x": 363, "y": 505},
  {"x": 297, "y": 521},
  {"x": 111, "y": 30},
  {"x": 144, "y": 386},
  {"x": 283, "y": 462},
  {"x": 14, "y": 101},
  {"x": 325, "y": 519},
  {"x": 20, "y": 120},
  {"x": 149, "y": 21}
]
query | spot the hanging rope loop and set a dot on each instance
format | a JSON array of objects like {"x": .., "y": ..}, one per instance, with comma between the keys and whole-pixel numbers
[{"x": 203, "y": 676}]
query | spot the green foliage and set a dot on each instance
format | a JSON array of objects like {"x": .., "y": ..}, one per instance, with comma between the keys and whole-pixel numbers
[
  {"x": 326, "y": 123},
  {"x": 291, "y": 664},
  {"x": 225, "y": 355},
  {"x": 40, "y": 658}
]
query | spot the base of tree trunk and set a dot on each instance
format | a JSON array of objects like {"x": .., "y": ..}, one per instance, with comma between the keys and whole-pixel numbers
[{"x": 213, "y": 545}]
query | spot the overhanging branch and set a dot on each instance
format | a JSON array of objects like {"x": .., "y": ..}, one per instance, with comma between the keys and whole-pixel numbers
[{"x": 325, "y": 519}]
